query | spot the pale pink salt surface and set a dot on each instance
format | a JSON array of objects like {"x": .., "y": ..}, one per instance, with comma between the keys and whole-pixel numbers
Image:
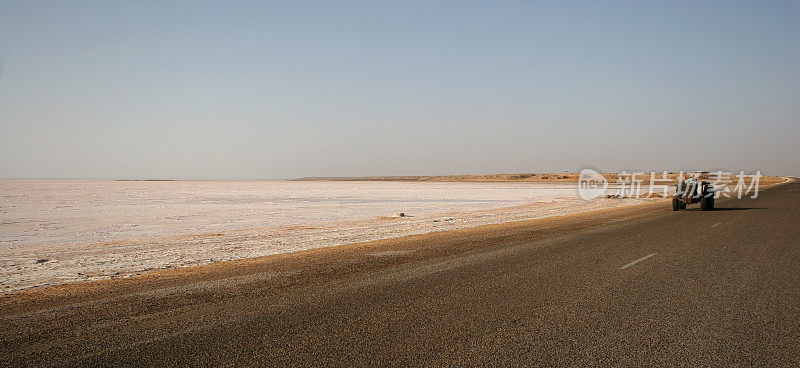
[{"x": 101, "y": 229}]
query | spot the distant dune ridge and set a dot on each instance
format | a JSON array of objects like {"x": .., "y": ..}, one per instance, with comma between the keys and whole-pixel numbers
[{"x": 524, "y": 177}]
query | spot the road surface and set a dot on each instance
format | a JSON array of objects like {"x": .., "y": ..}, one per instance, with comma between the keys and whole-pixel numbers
[{"x": 641, "y": 286}]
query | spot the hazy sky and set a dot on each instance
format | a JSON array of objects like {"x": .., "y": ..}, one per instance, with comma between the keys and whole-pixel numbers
[{"x": 163, "y": 89}]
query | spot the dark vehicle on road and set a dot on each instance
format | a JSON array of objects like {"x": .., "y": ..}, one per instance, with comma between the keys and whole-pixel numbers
[{"x": 692, "y": 191}]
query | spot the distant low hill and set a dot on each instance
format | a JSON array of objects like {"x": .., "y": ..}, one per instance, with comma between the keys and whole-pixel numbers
[
  {"x": 522, "y": 177},
  {"x": 566, "y": 177}
]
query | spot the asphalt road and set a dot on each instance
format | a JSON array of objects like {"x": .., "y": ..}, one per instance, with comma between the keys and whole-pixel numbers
[{"x": 643, "y": 286}]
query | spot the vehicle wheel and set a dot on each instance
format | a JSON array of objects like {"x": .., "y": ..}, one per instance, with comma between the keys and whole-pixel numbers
[
  {"x": 683, "y": 205},
  {"x": 705, "y": 203},
  {"x": 711, "y": 203},
  {"x": 676, "y": 205}
]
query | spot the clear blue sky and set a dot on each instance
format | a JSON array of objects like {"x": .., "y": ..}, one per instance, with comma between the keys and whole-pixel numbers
[{"x": 165, "y": 89}]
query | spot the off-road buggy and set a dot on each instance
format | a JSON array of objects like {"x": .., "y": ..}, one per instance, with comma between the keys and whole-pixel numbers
[{"x": 692, "y": 191}]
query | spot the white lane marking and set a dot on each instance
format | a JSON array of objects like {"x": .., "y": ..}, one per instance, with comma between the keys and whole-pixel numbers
[
  {"x": 717, "y": 224},
  {"x": 637, "y": 261}
]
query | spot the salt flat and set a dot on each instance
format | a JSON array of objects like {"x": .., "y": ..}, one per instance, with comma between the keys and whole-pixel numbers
[{"x": 54, "y": 232}]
